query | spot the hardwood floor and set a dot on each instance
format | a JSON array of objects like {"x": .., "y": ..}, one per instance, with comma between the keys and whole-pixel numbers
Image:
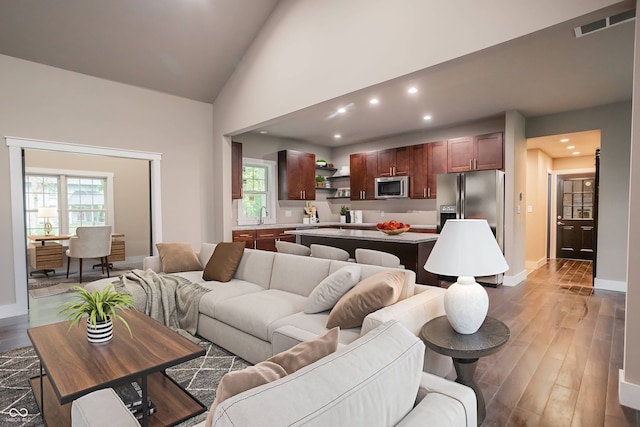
[{"x": 560, "y": 367}]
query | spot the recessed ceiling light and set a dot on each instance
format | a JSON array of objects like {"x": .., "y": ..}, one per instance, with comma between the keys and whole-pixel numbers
[
  {"x": 263, "y": 132},
  {"x": 427, "y": 117},
  {"x": 575, "y": 153},
  {"x": 374, "y": 101},
  {"x": 412, "y": 90},
  {"x": 564, "y": 140},
  {"x": 342, "y": 110},
  {"x": 569, "y": 147},
  {"x": 337, "y": 136}
]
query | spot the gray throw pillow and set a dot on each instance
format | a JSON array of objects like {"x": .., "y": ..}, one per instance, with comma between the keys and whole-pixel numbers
[{"x": 331, "y": 289}]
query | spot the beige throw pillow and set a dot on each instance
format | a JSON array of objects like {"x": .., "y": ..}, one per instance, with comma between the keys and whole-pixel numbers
[
  {"x": 177, "y": 257},
  {"x": 224, "y": 262},
  {"x": 236, "y": 382},
  {"x": 331, "y": 289},
  {"x": 274, "y": 368},
  {"x": 371, "y": 294}
]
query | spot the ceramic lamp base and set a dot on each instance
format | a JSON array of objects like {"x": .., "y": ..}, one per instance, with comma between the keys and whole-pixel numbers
[{"x": 466, "y": 304}]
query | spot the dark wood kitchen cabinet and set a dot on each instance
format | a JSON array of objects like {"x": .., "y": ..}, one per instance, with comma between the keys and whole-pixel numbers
[
  {"x": 236, "y": 170},
  {"x": 263, "y": 238},
  {"x": 246, "y": 236},
  {"x": 395, "y": 161},
  {"x": 363, "y": 171},
  {"x": 429, "y": 160},
  {"x": 480, "y": 152},
  {"x": 296, "y": 175}
]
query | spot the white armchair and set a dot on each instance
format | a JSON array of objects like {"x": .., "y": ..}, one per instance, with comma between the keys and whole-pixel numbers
[{"x": 90, "y": 242}]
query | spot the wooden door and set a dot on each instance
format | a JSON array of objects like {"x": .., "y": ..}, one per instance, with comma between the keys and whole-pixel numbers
[
  {"x": 575, "y": 224},
  {"x": 236, "y": 170},
  {"x": 418, "y": 180},
  {"x": 488, "y": 152},
  {"x": 358, "y": 174},
  {"x": 307, "y": 170},
  {"x": 371, "y": 167},
  {"x": 460, "y": 154},
  {"x": 296, "y": 175},
  {"x": 402, "y": 166},
  {"x": 436, "y": 164},
  {"x": 386, "y": 162}
]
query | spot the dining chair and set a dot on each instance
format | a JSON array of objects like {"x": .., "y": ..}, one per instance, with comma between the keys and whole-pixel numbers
[
  {"x": 292, "y": 248},
  {"x": 329, "y": 252},
  {"x": 90, "y": 242},
  {"x": 383, "y": 259}
]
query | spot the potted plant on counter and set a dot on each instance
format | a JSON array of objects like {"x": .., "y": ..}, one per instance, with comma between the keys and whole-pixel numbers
[
  {"x": 100, "y": 308},
  {"x": 344, "y": 212}
]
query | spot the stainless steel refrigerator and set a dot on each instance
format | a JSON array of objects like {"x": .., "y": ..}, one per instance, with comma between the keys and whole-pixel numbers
[{"x": 473, "y": 195}]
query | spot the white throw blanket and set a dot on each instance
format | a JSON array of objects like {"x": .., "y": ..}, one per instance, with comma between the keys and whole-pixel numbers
[{"x": 169, "y": 299}]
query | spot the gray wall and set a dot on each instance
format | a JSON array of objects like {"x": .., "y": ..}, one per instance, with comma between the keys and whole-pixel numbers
[{"x": 614, "y": 121}]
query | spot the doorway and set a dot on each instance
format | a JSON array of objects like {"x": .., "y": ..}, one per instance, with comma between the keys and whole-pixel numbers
[{"x": 575, "y": 225}]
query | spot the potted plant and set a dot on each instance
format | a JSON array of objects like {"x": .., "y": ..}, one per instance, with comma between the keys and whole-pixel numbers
[
  {"x": 343, "y": 214},
  {"x": 100, "y": 308},
  {"x": 320, "y": 180}
]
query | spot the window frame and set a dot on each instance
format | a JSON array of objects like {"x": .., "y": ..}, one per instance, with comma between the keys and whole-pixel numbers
[
  {"x": 62, "y": 175},
  {"x": 272, "y": 190}
]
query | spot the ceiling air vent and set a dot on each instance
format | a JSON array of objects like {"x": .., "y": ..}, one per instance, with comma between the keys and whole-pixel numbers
[{"x": 605, "y": 23}]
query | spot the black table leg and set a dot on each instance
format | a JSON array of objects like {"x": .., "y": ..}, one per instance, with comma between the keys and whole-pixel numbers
[
  {"x": 145, "y": 404},
  {"x": 41, "y": 393},
  {"x": 465, "y": 369}
]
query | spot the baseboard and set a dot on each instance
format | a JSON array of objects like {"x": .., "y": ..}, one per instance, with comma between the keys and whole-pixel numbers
[
  {"x": 12, "y": 310},
  {"x": 514, "y": 280},
  {"x": 610, "y": 285},
  {"x": 628, "y": 393},
  {"x": 534, "y": 265}
]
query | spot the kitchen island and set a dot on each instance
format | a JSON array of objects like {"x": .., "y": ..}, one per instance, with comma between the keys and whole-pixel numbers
[{"x": 413, "y": 249}]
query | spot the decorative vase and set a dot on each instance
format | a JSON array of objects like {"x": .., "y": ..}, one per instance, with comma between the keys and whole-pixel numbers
[
  {"x": 100, "y": 333},
  {"x": 348, "y": 217},
  {"x": 343, "y": 219},
  {"x": 466, "y": 304}
]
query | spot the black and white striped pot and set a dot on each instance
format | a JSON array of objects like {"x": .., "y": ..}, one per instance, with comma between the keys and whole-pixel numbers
[{"x": 101, "y": 332}]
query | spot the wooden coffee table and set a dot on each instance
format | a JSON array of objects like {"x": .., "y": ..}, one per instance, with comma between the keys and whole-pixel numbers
[{"x": 71, "y": 367}]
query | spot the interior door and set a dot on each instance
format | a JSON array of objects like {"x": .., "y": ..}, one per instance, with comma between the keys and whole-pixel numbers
[{"x": 575, "y": 224}]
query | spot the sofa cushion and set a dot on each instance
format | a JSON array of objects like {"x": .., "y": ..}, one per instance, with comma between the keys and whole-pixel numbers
[
  {"x": 296, "y": 274},
  {"x": 380, "y": 290},
  {"x": 206, "y": 250},
  {"x": 331, "y": 289},
  {"x": 408, "y": 289},
  {"x": 222, "y": 291},
  {"x": 256, "y": 267},
  {"x": 236, "y": 382},
  {"x": 253, "y": 313},
  {"x": 177, "y": 257},
  {"x": 223, "y": 263},
  {"x": 315, "y": 323},
  {"x": 307, "y": 352},
  {"x": 343, "y": 388}
]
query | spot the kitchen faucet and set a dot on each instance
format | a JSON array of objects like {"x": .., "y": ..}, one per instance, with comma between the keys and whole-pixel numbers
[{"x": 265, "y": 214}]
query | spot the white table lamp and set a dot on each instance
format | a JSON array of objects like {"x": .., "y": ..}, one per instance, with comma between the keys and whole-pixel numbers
[
  {"x": 47, "y": 213},
  {"x": 466, "y": 248}
]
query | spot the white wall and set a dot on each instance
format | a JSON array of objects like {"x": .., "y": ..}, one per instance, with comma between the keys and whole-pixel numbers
[
  {"x": 614, "y": 121},
  {"x": 538, "y": 165},
  {"x": 312, "y": 51},
  {"x": 46, "y": 103}
]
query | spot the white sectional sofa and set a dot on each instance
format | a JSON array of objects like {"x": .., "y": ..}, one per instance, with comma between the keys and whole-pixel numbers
[{"x": 269, "y": 290}]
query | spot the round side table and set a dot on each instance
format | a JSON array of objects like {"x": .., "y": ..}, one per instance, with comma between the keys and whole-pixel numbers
[{"x": 465, "y": 350}]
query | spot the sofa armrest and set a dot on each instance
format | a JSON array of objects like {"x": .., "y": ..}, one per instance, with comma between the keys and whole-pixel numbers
[
  {"x": 443, "y": 403},
  {"x": 152, "y": 262},
  {"x": 102, "y": 408},
  {"x": 289, "y": 336},
  {"x": 413, "y": 313}
]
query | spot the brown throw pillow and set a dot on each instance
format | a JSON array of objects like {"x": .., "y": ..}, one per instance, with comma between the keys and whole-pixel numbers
[
  {"x": 371, "y": 294},
  {"x": 236, "y": 382},
  {"x": 224, "y": 262},
  {"x": 177, "y": 257},
  {"x": 307, "y": 352}
]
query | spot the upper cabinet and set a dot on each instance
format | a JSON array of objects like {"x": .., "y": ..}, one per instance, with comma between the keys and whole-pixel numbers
[
  {"x": 296, "y": 175},
  {"x": 236, "y": 170},
  {"x": 363, "y": 170},
  {"x": 428, "y": 160},
  {"x": 394, "y": 162},
  {"x": 481, "y": 152}
]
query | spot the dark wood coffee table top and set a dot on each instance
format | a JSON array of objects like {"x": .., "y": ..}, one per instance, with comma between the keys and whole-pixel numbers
[{"x": 76, "y": 367}]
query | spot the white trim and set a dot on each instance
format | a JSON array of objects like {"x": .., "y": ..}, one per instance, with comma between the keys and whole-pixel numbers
[
  {"x": 16, "y": 145},
  {"x": 514, "y": 280},
  {"x": 628, "y": 393},
  {"x": 271, "y": 194},
  {"x": 534, "y": 265},
  {"x": 610, "y": 285}
]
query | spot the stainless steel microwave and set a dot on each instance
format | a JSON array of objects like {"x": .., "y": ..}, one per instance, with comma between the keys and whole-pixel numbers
[{"x": 393, "y": 187}]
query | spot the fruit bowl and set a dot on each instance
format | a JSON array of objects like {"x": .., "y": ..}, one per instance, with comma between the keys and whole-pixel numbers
[{"x": 394, "y": 232}]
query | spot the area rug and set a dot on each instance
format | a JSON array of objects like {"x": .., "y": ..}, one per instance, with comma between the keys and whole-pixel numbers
[
  {"x": 40, "y": 287},
  {"x": 18, "y": 407}
]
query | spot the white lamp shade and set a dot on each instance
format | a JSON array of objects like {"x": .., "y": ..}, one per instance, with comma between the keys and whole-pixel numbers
[
  {"x": 466, "y": 247},
  {"x": 47, "y": 212}
]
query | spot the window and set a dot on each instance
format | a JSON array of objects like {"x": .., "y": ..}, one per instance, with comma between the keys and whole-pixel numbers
[
  {"x": 80, "y": 198},
  {"x": 258, "y": 192}
]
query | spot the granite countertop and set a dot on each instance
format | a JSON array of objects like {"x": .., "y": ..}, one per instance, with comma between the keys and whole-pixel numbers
[
  {"x": 323, "y": 224},
  {"x": 372, "y": 235}
]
